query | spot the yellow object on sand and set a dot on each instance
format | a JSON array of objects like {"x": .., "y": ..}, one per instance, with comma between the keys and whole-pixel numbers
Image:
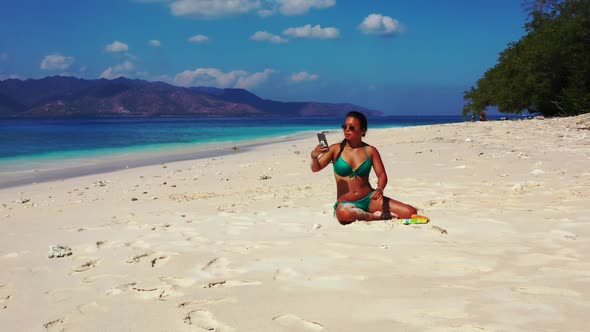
[{"x": 415, "y": 219}]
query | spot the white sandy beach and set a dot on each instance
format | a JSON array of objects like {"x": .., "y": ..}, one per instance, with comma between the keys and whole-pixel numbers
[{"x": 247, "y": 241}]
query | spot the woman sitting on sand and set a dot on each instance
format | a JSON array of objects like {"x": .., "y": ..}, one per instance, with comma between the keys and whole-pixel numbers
[{"x": 353, "y": 159}]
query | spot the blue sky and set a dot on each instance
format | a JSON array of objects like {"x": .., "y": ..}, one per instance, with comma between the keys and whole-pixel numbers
[{"x": 399, "y": 57}]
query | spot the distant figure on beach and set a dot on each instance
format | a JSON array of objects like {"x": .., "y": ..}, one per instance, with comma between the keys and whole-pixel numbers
[
  {"x": 482, "y": 116},
  {"x": 353, "y": 159}
]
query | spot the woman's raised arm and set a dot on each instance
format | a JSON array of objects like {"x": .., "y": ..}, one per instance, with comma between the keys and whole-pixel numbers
[{"x": 321, "y": 156}]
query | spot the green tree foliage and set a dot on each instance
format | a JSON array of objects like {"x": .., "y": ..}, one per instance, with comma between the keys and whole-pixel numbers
[{"x": 547, "y": 71}]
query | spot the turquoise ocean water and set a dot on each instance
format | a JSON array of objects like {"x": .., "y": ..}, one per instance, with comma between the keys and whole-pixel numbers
[{"x": 23, "y": 140}]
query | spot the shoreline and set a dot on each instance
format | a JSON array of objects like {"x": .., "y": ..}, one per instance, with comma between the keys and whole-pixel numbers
[
  {"x": 71, "y": 167},
  {"x": 17, "y": 172}
]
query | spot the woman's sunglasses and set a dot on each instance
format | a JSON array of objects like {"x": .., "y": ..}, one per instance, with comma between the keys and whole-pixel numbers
[{"x": 351, "y": 127}]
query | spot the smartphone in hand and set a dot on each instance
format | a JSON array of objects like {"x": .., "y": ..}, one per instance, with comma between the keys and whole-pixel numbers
[{"x": 322, "y": 139}]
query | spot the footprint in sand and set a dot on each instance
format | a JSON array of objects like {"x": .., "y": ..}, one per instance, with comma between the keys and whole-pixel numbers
[
  {"x": 293, "y": 322},
  {"x": 158, "y": 291},
  {"x": 200, "y": 302},
  {"x": 178, "y": 281},
  {"x": 172, "y": 286},
  {"x": 3, "y": 301},
  {"x": 137, "y": 258},
  {"x": 78, "y": 229},
  {"x": 219, "y": 267},
  {"x": 145, "y": 292},
  {"x": 55, "y": 325},
  {"x": 86, "y": 266},
  {"x": 158, "y": 260},
  {"x": 138, "y": 244},
  {"x": 231, "y": 283},
  {"x": 91, "y": 307},
  {"x": 153, "y": 227},
  {"x": 204, "y": 319},
  {"x": 151, "y": 292},
  {"x": 120, "y": 288},
  {"x": 105, "y": 244},
  {"x": 91, "y": 279}
]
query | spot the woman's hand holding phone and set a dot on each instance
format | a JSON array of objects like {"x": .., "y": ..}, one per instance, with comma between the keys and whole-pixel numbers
[{"x": 320, "y": 148}]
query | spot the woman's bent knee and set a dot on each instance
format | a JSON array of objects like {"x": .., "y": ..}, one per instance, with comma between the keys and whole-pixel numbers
[{"x": 344, "y": 215}]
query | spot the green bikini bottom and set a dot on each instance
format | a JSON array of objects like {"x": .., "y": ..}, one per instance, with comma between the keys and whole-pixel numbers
[{"x": 362, "y": 203}]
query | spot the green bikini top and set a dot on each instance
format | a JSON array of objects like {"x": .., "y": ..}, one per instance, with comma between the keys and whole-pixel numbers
[{"x": 342, "y": 168}]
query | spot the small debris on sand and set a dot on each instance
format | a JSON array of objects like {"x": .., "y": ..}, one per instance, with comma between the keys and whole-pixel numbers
[
  {"x": 57, "y": 251},
  {"x": 440, "y": 229}
]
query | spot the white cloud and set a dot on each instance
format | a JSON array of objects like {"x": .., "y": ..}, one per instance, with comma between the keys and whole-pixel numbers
[
  {"x": 251, "y": 81},
  {"x": 116, "y": 46},
  {"x": 316, "y": 32},
  {"x": 217, "y": 78},
  {"x": 298, "y": 7},
  {"x": 377, "y": 24},
  {"x": 198, "y": 39},
  {"x": 266, "y": 36},
  {"x": 11, "y": 76},
  {"x": 219, "y": 8},
  {"x": 208, "y": 77},
  {"x": 213, "y": 8},
  {"x": 303, "y": 76},
  {"x": 123, "y": 69},
  {"x": 108, "y": 74},
  {"x": 56, "y": 62},
  {"x": 154, "y": 43}
]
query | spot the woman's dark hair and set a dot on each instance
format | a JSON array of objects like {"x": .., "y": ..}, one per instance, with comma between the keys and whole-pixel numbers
[
  {"x": 361, "y": 117},
  {"x": 364, "y": 125}
]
